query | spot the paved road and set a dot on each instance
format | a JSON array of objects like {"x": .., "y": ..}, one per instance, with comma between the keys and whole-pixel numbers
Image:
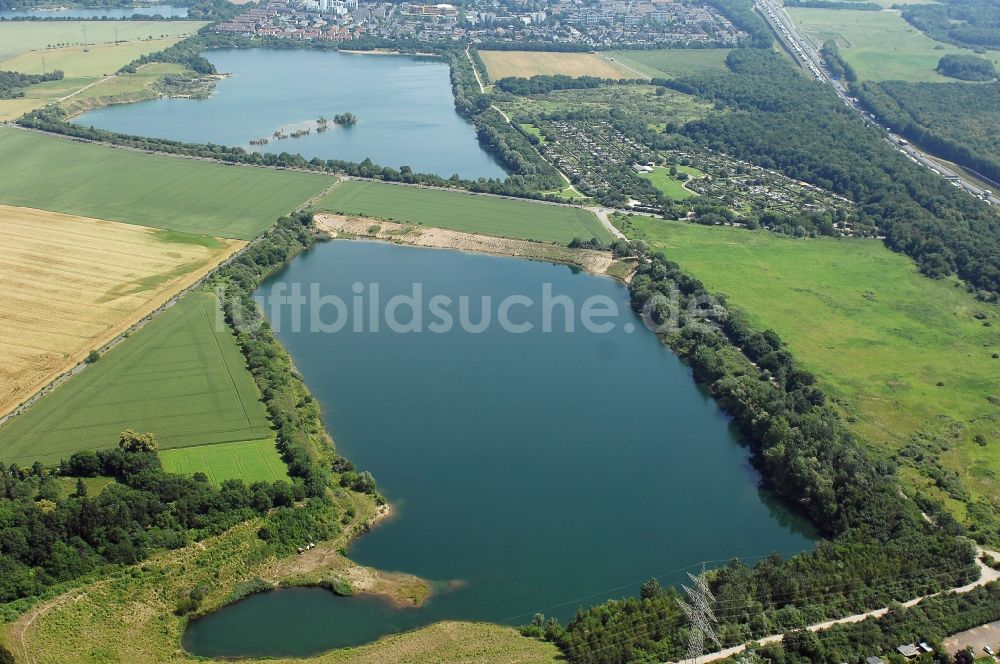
[{"x": 805, "y": 51}]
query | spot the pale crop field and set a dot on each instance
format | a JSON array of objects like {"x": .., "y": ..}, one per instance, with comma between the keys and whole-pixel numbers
[
  {"x": 73, "y": 283},
  {"x": 20, "y": 36},
  {"x": 501, "y": 64}
]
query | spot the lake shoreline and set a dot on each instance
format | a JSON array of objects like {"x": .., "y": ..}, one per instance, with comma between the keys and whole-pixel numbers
[{"x": 590, "y": 260}]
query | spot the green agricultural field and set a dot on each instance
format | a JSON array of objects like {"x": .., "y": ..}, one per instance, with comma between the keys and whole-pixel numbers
[
  {"x": 20, "y": 36},
  {"x": 488, "y": 215},
  {"x": 671, "y": 62},
  {"x": 671, "y": 187},
  {"x": 180, "y": 377},
  {"x": 904, "y": 353},
  {"x": 188, "y": 195},
  {"x": 881, "y": 46},
  {"x": 250, "y": 461}
]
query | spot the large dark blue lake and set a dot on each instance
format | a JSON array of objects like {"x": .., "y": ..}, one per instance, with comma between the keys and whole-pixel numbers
[
  {"x": 404, "y": 105},
  {"x": 529, "y": 471}
]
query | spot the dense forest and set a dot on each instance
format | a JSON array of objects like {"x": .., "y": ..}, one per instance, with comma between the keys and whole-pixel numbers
[
  {"x": 48, "y": 537},
  {"x": 966, "y": 68},
  {"x": 12, "y": 83},
  {"x": 779, "y": 119},
  {"x": 970, "y": 23},
  {"x": 954, "y": 121},
  {"x": 880, "y": 548}
]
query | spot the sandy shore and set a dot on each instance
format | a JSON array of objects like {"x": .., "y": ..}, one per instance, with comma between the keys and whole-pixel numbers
[{"x": 594, "y": 262}]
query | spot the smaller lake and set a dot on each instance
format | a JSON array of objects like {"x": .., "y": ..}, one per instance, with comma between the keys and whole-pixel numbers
[
  {"x": 404, "y": 105},
  {"x": 166, "y": 11}
]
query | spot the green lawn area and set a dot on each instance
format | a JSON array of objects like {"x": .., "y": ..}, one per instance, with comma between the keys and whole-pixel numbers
[
  {"x": 879, "y": 335},
  {"x": 188, "y": 195},
  {"x": 534, "y": 131},
  {"x": 458, "y": 211},
  {"x": 20, "y": 36},
  {"x": 671, "y": 187},
  {"x": 179, "y": 377},
  {"x": 250, "y": 461},
  {"x": 672, "y": 62},
  {"x": 881, "y": 46}
]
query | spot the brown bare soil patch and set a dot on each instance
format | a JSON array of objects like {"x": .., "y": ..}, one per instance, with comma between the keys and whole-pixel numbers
[{"x": 595, "y": 262}]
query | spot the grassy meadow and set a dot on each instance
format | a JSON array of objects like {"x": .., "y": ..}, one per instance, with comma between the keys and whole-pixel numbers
[
  {"x": 249, "y": 460},
  {"x": 671, "y": 187},
  {"x": 671, "y": 62},
  {"x": 501, "y": 64},
  {"x": 906, "y": 356},
  {"x": 180, "y": 377},
  {"x": 173, "y": 193},
  {"x": 488, "y": 215},
  {"x": 881, "y": 46}
]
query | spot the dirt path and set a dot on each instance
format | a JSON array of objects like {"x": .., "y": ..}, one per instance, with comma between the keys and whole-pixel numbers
[
  {"x": 621, "y": 64},
  {"x": 18, "y": 630},
  {"x": 595, "y": 262},
  {"x": 986, "y": 575}
]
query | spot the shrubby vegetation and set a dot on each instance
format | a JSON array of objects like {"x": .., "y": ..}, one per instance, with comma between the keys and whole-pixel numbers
[
  {"x": 930, "y": 621},
  {"x": 779, "y": 119},
  {"x": 879, "y": 548},
  {"x": 967, "y": 67},
  {"x": 48, "y": 538},
  {"x": 952, "y": 120},
  {"x": 12, "y": 83}
]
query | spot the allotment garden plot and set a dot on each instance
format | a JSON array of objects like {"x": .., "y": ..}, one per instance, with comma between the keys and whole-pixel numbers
[{"x": 72, "y": 283}]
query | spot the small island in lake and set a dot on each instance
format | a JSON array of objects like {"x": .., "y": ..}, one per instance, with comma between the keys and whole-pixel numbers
[{"x": 345, "y": 119}]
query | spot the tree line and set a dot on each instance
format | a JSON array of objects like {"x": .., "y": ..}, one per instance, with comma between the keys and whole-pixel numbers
[{"x": 879, "y": 547}]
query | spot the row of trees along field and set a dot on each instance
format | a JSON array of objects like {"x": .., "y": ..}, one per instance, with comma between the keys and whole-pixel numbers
[
  {"x": 879, "y": 547},
  {"x": 778, "y": 119},
  {"x": 951, "y": 120}
]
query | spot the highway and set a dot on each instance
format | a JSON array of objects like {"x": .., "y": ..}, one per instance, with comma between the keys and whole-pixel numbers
[{"x": 805, "y": 51}]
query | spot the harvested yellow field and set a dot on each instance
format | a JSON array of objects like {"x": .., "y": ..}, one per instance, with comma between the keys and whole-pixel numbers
[
  {"x": 501, "y": 64},
  {"x": 71, "y": 284}
]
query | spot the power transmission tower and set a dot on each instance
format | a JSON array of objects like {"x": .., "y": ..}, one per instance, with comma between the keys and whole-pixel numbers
[{"x": 699, "y": 614}]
